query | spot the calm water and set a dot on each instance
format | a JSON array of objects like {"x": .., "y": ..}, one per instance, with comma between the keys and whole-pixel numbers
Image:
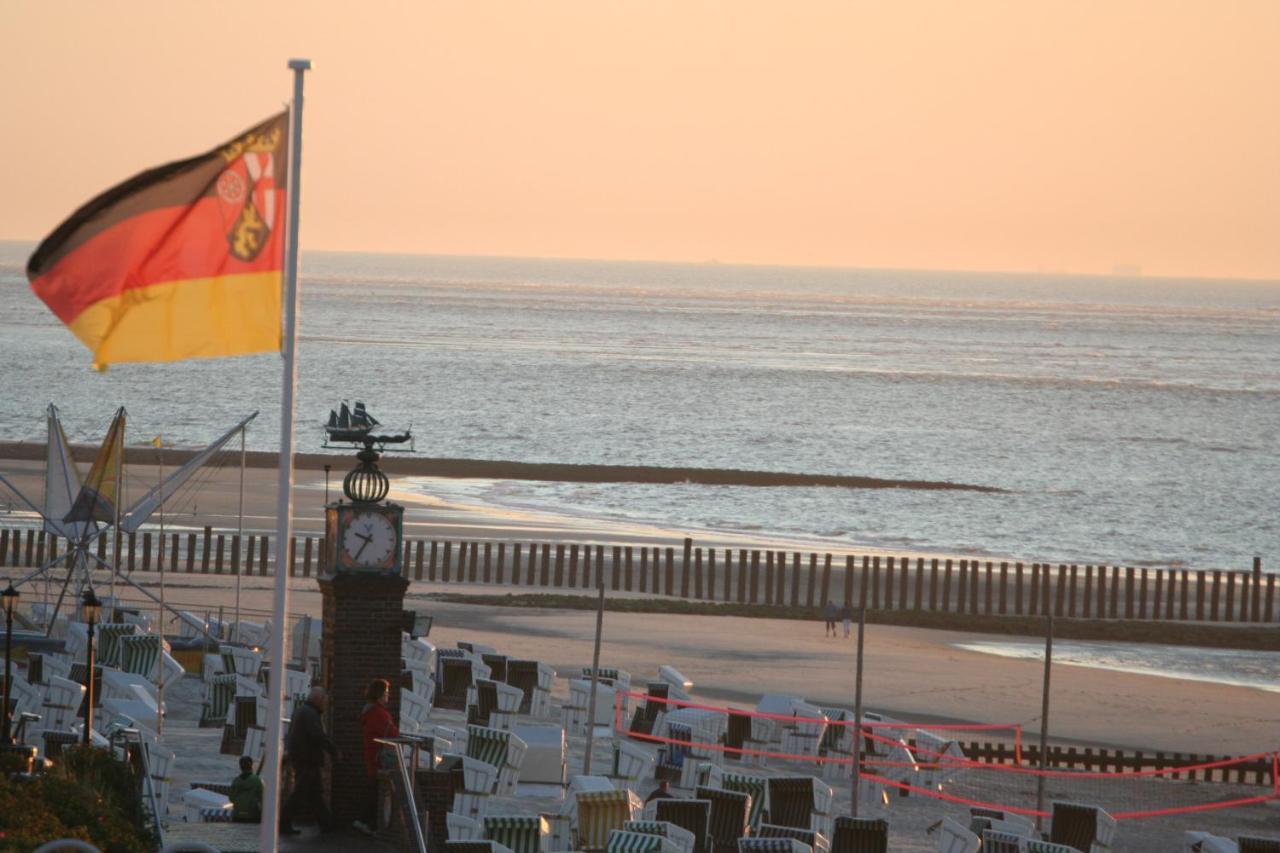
[
  {"x": 1133, "y": 421},
  {"x": 1259, "y": 670}
]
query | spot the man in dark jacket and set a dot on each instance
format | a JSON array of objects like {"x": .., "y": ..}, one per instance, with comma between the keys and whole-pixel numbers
[{"x": 305, "y": 748}]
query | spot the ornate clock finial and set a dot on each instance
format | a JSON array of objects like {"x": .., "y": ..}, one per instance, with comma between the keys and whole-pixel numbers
[{"x": 366, "y": 483}]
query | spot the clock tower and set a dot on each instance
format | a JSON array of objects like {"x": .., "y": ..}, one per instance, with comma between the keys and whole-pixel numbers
[
  {"x": 364, "y": 533},
  {"x": 363, "y": 599}
]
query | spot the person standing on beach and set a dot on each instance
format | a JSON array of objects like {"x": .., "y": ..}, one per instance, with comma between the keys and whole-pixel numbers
[
  {"x": 830, "y": 616},
  {"x": 846, "y": 615},
  {"x": 375, "y": 722},
  {"x": 305, "y": 746}
]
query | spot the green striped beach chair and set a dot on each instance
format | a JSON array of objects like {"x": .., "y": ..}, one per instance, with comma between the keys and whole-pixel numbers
[
  {"x": 600, "y": 812},
  {"x": 108, "y": 648},
  {"x": 519, "y": 833},
  {"x": 474, "y": 847},
  {"x": 219, "y": 693},
  {"x": 500, "y": 748},
  {"x": 773, "y": 845},
  {"x": 690, "y": 815},
  {"x": 622, "y": 841},
  {"x": 755, "y": 786},
  {"x": 140, "y": 654},
  {"x": 677, "y": 835},
  {"x": 812, "y": 838},
  {"x": 240, "y": 661},
  {"x": 728, "y": 819}
]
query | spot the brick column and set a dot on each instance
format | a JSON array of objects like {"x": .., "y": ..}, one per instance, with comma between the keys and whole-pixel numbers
[{"x": 361, "y": 642}]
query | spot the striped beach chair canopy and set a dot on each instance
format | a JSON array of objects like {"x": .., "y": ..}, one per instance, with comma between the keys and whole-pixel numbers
[
  {"x": 622, "y": 841},
  {"x": 108, "y": 649},
  {"x": 1031, "y": 845},
  {"x": 755, "y": 786},
  {"x": 488, "y": 745},
  {"x": 860, "y": 835},
  {"x": 1081, "y": 826},
  {"x": 773, "y": 845},
  {"x": 691, "y": 815},
  {"x": 140, "y": 654},
  {"x": 995, "y": 841},
  {"x": 677, "y": 835},
  {"x": 674, "y": 754},
  {"x": 475, "y": 847},
  {"x": 728, "y": 819},
  {"x": 519, "y": 833},
  {"x": 599, "y": 812},
  {"x": 1258, "y": 844},
  {"x": 813, "y": 839},
  {"x": 220, "y": 692}
]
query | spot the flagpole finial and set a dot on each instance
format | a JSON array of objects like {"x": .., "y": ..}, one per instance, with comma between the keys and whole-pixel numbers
[{"x": 300, "y": 64}]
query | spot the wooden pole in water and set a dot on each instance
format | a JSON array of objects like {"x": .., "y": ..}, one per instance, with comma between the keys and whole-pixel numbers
[
  {"x": 595, "y": 676},
  {"x": 1044, "y": 717},
  {"x": 857, "y": 715}
]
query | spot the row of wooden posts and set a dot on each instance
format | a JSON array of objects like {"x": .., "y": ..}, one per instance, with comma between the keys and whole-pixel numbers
[
  {"x": 1205, "y": 768},
  {"x": 734, "y": 575}
]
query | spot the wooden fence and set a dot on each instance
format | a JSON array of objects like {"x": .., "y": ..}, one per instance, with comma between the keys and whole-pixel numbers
[
  {"x": 755, "y": 576},
  {"x": 1260, "y": 771}
]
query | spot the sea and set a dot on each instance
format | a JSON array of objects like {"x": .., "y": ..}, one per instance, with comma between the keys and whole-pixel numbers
[{"x": 1127, "y": 420}]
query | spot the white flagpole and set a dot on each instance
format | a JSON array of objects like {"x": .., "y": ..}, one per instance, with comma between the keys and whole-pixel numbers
[{"x": 284, "y": 487}]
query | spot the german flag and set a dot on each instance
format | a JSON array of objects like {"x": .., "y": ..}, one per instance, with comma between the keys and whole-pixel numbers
[{"x": 182, "y": 261}]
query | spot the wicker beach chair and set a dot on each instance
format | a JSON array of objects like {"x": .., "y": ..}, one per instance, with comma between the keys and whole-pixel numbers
[
  {"x": 501, "y": 749},
  {"x": 140, "y": 654},
  {"x": 497, "y": 665},
  {"x": 600, "y": 812},
  {"x": 519, "y": 833},
  {"x": 940, "y": 760},
  {"x": 462, "y": 828},
  {"x": 803, "y": 734},
  {"x": 728, "y": 819},
  {"x": 677, "y": 835},
  {"x": 453, "y": 679},
  {"x": 241, "y": 661},
  {"x": 756, "y": 786},
  {"x": 62, "y": 700},
  {"x": 1257, "y": 844},
  {"x": 1032, "y": 845},
  {"x": 108, "y": 637},
  {"x": 415, "y": 709},
  {"x": 819, "y": 842},
  {"x": 836, "y": 745},
  {"x": 954, "y": 838},
  {"x": 1084, "y": 827},
  {"x": 631, "y": 764},
  {"x": 475, "y": 847},
  {"x": 860, "y": 835},
  {"x": 773, "y": 845},
  {"x": 672, "y": 757},
  {"x": 995, "y": 841},
  {"x": 982, "y": 819},
  {"x": 694, "y": 816},
  {"x": 536, "y": 680},
  {"x": 800, "y": 801},
  {"x": 622, "y": 841}
]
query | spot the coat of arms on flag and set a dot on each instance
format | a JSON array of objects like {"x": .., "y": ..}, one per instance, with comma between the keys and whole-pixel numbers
[{"x": 181, "y": 261}]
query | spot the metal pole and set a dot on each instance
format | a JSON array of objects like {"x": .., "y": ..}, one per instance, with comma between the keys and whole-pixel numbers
[
  {"x": 160, "y": 566},
  {"x": 595, "y": 678},
  {"x": 8, "y": 666},
  {"x": 88, "y": 713},
  {"x": 326, "y": 484},
  {"x": 857, "y": 715},
  {"x": 284, "y": 483},
  {"x": 115, "y": 551},
  {"x": 1044, "y": 717},
  {"x": 239, "y": 536}
]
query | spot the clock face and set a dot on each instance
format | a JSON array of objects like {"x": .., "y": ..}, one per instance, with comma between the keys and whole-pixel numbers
[{"x": 369, "y": 540}]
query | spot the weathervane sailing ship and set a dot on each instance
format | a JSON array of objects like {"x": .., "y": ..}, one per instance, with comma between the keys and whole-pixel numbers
[{"x": 357, "y": 426}]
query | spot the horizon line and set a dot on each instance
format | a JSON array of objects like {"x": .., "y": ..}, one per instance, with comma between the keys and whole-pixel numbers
[{"x": 1259, "y": 280}]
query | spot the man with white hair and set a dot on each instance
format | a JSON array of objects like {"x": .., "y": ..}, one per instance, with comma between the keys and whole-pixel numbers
[{"x": 305, "y": 748}]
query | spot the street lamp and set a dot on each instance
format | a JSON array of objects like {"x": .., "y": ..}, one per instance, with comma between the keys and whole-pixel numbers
[
  {"x": 92, "y": 607},
  {"x": 10, "y": 597},
  {"x": 326, "y": 484}
]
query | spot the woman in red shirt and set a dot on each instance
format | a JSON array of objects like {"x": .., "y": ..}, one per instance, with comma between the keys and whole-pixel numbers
[{"x": 375, "y": 722}]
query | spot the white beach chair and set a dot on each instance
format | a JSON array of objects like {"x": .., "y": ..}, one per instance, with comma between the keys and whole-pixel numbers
[
  {"x": 62, "y": 700},
  {"x": 501, "y": 749},
  {"x": 996, "y": 841},
  {"x": 198, "y": 800},
  {"x": 414, "y": 712},
  {"x": 1083, "y": 826},
  {"x": 544, "y": 757},
  {"x": 679, "y": 836},
  {"x": 462, "y": 828},
  {"x": 954, "y": 838},
  {"x": 940, "y": 760},
  {"x": 632, "y": 764},
  {"x": 211, "y": 665}
]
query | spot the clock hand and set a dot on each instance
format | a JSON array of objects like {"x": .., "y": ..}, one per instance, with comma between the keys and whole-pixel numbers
[
  {"x": 362, "y": 547},
  {"x": 365, "y": 538}
]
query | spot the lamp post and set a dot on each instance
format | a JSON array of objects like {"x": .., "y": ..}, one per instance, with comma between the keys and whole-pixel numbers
[
  {"x": 10, "y": 597},
  {"x": 326, "y": 484},
  {"x": 92, "y": 607}
]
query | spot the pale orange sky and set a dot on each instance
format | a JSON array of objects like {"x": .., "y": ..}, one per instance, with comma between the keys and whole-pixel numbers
[{"x": 1017, "y": 135}]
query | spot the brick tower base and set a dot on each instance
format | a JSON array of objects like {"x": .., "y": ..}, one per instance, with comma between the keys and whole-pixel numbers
[{"x": 361, "y": 642}]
